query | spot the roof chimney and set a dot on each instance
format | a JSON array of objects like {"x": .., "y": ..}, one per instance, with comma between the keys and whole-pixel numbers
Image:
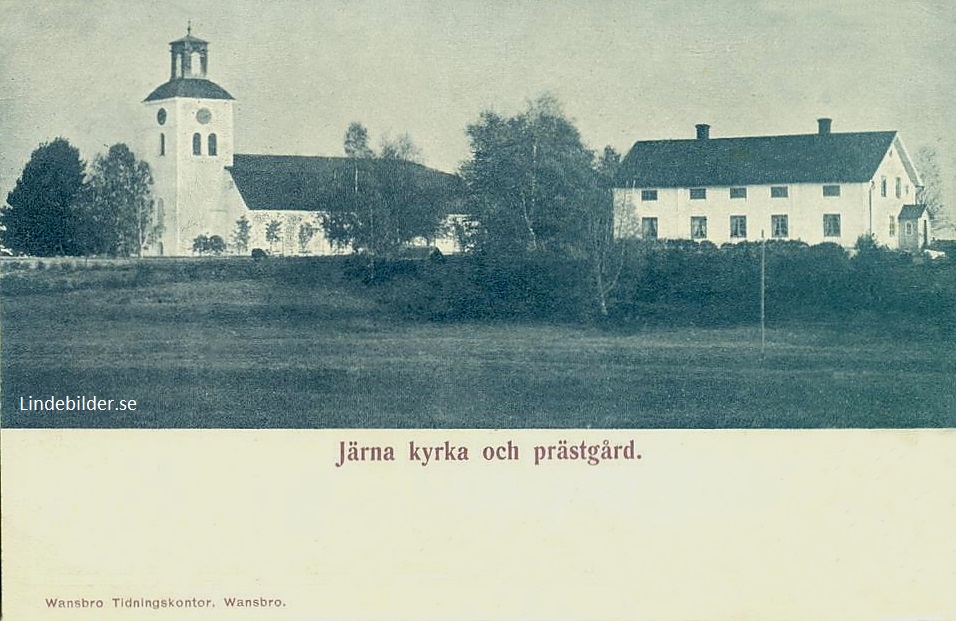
[
  {"x": 824, "y": 126},
  {"x": 703, "y": 131}
]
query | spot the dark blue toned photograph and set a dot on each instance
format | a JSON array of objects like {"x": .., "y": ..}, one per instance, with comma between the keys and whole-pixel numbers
[{"x": 448, "y": 215}]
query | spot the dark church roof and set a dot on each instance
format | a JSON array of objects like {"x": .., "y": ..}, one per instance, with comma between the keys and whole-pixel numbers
[
  {"x": 192, "y": 88},
  {"x": 310, "y": 183},
  {"x": 810, "y": 158}
]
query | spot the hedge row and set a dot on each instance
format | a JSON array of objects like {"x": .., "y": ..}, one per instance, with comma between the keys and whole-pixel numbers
[{"x": 683, "y": 284}]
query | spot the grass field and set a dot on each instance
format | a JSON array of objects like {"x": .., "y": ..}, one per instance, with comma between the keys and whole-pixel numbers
[{"x": 247, "y": 345}]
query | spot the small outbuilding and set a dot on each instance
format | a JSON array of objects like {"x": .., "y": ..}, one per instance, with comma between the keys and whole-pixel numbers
[{"x": 914, "y": 228}]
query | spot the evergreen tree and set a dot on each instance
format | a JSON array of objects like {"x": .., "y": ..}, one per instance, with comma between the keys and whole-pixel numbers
[{"x": 42, "y": 216}]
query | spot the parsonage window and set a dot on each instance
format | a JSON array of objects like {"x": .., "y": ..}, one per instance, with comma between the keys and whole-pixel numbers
[
  {"x": 779, "y": 191},
  {"x": 698, "y": 227},
  {"x": 738, "y": 227},
  {"x": 892, "y": 226},
  {"x": 649, "y": 228},
  {"x": 831, "y": 190},
  {"x": 698, "y": 194},
  {"x": 648, "y": 195},
  {"x": 738, "y": 192},
  {"x": 780, "y": 226},
  {"x": 831, "y": 225}
]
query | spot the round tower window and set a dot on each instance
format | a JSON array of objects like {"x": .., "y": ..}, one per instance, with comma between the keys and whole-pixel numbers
[
  {"x": 161, "y": 116},
  {"x": 203, "y": 115}
]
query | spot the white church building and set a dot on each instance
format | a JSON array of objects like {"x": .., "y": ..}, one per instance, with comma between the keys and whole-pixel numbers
[
  {"x": 203, "y": 187},
  {"x": 819, "y": 187}
]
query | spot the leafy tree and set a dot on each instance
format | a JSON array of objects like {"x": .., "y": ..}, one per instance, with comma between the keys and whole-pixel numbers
[
  {"x": 867, "y": 244},
  {"x": 42, "y": 216},
  {"x": 607, "y": 165},
  {"x": 118, "y": 204},
  {"x": 240, "y": 236},
  {"x": 390, "y": 200},
  {"x": 401, "y": 148},
  {"x": 606, "y": 255},
  {"x": 306, "y": 232},
  {"x": 536, "y": 190},
  {"x": 201, "y": 244},
  {"x": 356, "y": 141},
  {"x": 273, "y": 234},
  {"x": 530, "y": 180},
  {"x": 216, "y": 245},
  {"x": 209, "y": 244},
  {"x": 931, "y": 192}
]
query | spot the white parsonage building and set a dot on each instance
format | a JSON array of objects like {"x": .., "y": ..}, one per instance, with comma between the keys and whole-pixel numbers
[
  {"x": 821, "y": 187},
  {"x": 202, "y": 187}
]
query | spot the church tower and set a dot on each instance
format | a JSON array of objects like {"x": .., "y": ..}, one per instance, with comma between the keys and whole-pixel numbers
[{"x": 188, "y": 143}]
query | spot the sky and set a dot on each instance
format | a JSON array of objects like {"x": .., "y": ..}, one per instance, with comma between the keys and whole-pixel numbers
[{"x": 302, "y": 70}]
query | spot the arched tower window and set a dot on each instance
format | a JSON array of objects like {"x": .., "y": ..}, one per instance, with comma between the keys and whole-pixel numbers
[
  {"x": 195, "y": 67},
  {"x": 162, "y": 144},
  {"x": 212, "y": 144},
  {"x": 197, "y": 144}
]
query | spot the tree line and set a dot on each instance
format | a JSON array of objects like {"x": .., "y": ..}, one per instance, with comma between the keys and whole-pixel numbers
[
  {"x": 532, "y": 190},
  {"x": 62, "y": 206},
  {"x": 391, "y": 203},
  {"x": 539, "y": 204},
  {"x": 529, "y": 188}
]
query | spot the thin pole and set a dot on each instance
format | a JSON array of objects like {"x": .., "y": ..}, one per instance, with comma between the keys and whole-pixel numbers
[{"x": 763, "y": 293}]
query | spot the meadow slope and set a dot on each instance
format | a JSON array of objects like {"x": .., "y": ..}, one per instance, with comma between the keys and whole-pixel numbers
[{"x": 238, "y": 344}]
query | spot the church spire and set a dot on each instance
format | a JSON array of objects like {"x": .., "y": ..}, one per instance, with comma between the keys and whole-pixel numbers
[
  {"x": 188, "y": 66},
  {"x": 188, "y": 57}
]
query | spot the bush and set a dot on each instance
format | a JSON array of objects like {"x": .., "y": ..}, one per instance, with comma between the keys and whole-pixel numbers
[
  {"x": 477, "y": 287},
  {"x": 216, "y": 245},
  {"x": 945, "y": 245}
]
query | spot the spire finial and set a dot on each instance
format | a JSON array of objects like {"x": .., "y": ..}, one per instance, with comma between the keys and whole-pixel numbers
[{"x": 189, "y": 27}]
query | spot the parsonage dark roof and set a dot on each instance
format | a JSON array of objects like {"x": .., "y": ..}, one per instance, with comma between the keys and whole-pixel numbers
[
  {"x": 806, "y": 158},
  {"x": 311, "y": 183},
  {"x": 194, "y": 88},
  {"x": 912, "y": 212}
]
